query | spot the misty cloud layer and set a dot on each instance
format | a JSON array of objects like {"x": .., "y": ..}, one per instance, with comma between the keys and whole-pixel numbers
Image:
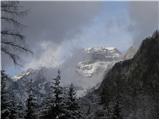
[
  {"x": 56, "y": 29},
  {"x": 144, "y": 17},
  {"x": 54, "y": 23}
]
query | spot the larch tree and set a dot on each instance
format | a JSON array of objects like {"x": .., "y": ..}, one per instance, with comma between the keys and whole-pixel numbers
[{"x": 12, "y": 39}]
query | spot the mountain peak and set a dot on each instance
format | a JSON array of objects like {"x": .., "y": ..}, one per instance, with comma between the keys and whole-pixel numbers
[{"x": 97, "y": 58}]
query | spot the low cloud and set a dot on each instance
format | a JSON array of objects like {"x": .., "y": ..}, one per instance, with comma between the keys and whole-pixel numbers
[
  {"x": 47, "y": 59},
  {"x": 144, "y": 16},
  {"x": 54, "y": 22},
  {"x": 56, "y": 29},
  {"x": 106, "y": 32}
]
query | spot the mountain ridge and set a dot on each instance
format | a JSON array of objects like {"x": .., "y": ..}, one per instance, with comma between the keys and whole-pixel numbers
[{"x": 131, "y": 86}]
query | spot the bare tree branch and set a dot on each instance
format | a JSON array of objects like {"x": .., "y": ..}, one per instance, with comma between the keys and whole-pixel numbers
[
  {"x": 11, "y": 11},
  {"x": 12, "y": 34},
  {"x": 18, "y": 46},
  {"x": 9, "y": 4},
  {"x": 20, "y": 13},
  {"x": 14, "y": 57},
  {"x": 12, "y": 20}
]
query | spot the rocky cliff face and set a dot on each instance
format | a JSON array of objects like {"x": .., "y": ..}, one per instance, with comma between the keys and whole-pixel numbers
[
  {"x": 131, "y": 88},
  {"x": 130, "y": 53}
]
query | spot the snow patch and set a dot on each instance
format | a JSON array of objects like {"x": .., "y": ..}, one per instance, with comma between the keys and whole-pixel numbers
[{"x": 21, "y": 75}]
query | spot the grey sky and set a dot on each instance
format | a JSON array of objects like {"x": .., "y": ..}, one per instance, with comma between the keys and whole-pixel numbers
[
  {"x": 144, "y": 16},
  {"x": 56, "y": 29},
  {"x": 55, "y": 21}
]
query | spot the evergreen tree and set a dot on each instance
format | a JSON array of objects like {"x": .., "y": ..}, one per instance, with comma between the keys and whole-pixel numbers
[
  {"x": 30, "y": 104},
  {"x": 116, "y": 112},
  {"x": 13, "y": 107},
  {"x": 72, "y": 106},
  {"x": 47, "y": 106},
  {"x": 20, "y": 110},
  {"x": 54, "y": 105},
  {"x": 58, "y": 108},
  {"x": 116, "y": 108},
  {"x": 8, "y": 103},
  {"x": 4, "y": 96}
]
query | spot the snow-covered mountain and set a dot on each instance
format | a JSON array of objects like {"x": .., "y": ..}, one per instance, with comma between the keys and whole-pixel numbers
[
  {"x": 98, "y": 58},
  {"x": 85, "y": 69}
]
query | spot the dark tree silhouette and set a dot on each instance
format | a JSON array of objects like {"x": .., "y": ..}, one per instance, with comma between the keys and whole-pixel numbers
[
  {"x": 8, "y": 102},
  {"x": 58, "y": 102},
  {"x": 116, "y": 110},
  {"x": 31, "y": 104},
  {"x": 72, "y": 106},
  {"x": 54, "y": 107}
]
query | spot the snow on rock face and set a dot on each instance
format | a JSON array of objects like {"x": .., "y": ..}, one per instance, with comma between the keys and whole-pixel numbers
[
  {"x": 106, "y": 52},
  {"x": 98, "y": 49},
  {"x": 21, "y": 75},
  {"x": 89, "y": 69},
  {"x": 99, "y": 59}
]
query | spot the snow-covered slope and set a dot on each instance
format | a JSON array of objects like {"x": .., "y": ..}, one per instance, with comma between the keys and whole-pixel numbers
[{"x": 84, "y": 69}]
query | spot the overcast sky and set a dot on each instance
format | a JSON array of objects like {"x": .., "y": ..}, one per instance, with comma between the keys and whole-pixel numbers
[{"x": 55, "y": 29}]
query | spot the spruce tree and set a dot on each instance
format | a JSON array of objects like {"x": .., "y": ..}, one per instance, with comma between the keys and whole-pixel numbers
[
  {"x": 30, "y": 112},
  {"x": 58, "y": 108},
  {"x": 13, "y": 107},
  {"x": 4, "y": 96},
  {"x": 116, "y": 109},
  {"x": 54, "y": 105},
  {"x": 30, "y": 104},
  {"x": 47, "y": 106},
  {"x": 8, "y": 103},
  {"x": 20, "y": 110},
  {"x": 72, "y": 106}
]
